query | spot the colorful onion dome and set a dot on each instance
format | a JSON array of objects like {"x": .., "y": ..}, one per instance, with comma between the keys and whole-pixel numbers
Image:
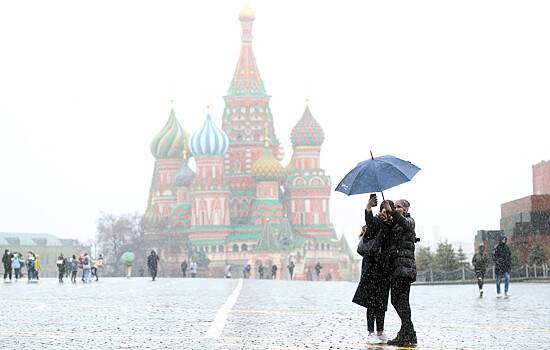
[
  {"x": 170, "y": 141},
  {"x": 246, "y": 14},
  {"x": 184, "y": 176},
  {"x": 209, "y": 140},
  {"x": 307, "y": 132},
  {"x": 267, "y": 166},
  {"x": 151, "y": 218}
]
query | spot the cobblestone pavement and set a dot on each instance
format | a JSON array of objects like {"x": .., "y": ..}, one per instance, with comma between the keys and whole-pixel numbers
[{"x": 176, "y": 314}]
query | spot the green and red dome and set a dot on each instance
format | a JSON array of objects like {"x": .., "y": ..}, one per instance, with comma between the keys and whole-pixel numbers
[{"x": 307, "y": 132}]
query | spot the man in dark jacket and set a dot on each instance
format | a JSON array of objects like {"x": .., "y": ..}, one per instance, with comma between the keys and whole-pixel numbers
[
  {"x": 502, "y": 256},
  {"x": 403, "y": 269},
  {"x": 152, "y": 264},
  {"x": 480, "y": 262},
  {"x": 184, "y": 268},
  {"x": 61, "y": 262},
  {"x": 6, "y": 261}
]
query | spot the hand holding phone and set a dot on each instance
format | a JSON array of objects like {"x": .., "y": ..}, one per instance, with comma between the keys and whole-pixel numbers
[{"x": 373, "y": 201}]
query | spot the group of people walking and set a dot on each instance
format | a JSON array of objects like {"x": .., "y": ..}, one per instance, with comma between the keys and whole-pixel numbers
[
  {"x": 68, "y": 267},
  {"x": 14, "y": 263},
  {"x": 387, "y": 244},
  {"x": 502, "y": 258}
]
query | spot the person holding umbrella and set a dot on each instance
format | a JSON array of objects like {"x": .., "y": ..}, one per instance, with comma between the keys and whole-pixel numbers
[
  {"x": 377, "y": 175},
  {"x": 403, "y": 268}
]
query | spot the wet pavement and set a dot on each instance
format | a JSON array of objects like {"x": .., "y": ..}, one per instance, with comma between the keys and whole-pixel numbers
[{"x": 116, "y": 313}]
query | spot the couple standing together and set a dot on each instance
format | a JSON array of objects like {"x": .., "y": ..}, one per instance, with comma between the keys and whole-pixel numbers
[{"x": 387, "y": 245}]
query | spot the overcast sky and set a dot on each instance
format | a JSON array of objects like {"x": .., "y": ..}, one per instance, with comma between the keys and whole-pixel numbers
[{"x": 460, "y": 88}]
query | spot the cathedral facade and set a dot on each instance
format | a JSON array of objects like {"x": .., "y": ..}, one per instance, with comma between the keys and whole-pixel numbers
[{"x": 241, "y": 205}]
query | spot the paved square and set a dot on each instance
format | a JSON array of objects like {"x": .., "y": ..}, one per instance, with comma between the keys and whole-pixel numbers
[{"x": 116, "y": 313}]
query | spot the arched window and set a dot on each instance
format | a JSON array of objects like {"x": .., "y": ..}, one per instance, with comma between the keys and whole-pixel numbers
[
  {"x": 322, "y": 246},
  {"x": 213, "y": 249},
  {"x": 235, "y": 248},
  {"x": 244, "y": 247},
  {"x": 316, "y": 246},
  {"x": 220, "y": 248}
]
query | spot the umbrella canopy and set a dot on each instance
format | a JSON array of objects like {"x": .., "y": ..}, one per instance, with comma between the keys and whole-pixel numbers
[
  {"x": 127, "y": 258},
  {"x": 376, "y": 175}
]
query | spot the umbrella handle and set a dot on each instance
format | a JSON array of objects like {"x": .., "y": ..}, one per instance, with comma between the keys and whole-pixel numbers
[{"x": 384, "y": 199}]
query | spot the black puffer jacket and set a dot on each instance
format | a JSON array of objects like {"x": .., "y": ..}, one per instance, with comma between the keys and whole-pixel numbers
[
  {"x": 373, "y": 288},
  {"x": 503, "y": 258},
  {"x": 403, "y": 238}
]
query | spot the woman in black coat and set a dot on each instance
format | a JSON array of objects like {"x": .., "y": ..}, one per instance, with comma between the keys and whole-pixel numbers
[{"x": 373, "y": 289}]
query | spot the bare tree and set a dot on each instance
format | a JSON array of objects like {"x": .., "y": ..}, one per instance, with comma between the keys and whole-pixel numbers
[{"x": 116, "y": 234}]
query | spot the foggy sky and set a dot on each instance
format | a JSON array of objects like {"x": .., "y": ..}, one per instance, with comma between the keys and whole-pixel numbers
[{"x": 459, "y": 88}]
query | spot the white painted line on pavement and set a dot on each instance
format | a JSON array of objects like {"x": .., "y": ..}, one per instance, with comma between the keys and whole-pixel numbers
[{"x": 218, "y": 325}]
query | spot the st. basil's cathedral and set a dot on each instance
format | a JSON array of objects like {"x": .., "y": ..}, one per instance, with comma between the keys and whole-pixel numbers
[{"x": 242, "y": 206}]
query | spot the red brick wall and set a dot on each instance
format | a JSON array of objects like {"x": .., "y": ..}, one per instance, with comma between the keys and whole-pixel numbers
[{"x": 541, "y": 178}]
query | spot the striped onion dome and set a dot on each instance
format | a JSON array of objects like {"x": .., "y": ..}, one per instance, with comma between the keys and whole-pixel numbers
[
  {"x": 151, "y": 218},
  {"x": 267, "y": 166},
  {"x": 170, "y": 141},
  {"x": 209, "y": 140},
  {"x": 307, "y": 132}
]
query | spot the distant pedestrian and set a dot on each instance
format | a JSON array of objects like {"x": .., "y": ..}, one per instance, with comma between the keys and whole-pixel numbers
[
  {"x": 227, "y": 271},
  {"x": 87, "y": 268},
  {"x": 318, "y": 268},
  {"x": 74, "y": 268},
  {"x": 502, "y": 256},
  {"x": 480, "y": 262},
  {"x": 30, "y": 266},
  {"x": 7, "y": 262},
  {"x": 261, "y": 271},
  {"x": 273, "y": 272},
  {"x": 61, "y": 267},
  {"x": 184, "y": 268},
  {"x": 248, "y": 269},
  {"x": 193, "y": 269},
  {"x": 68, "y": 267},
  {"x": 309, "y": 274},
  {"x": 152, "y": 264},
  {"x": 328, "y": 277},
  {"x": 291, "y": 267},
  {"x": 37, "y": 266},
  {"x": 16, "y": 265},
  {"x": 96, "y": 266}
]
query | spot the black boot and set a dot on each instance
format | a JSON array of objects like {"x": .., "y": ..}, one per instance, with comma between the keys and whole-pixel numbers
[{"x": 404, "y": 339}]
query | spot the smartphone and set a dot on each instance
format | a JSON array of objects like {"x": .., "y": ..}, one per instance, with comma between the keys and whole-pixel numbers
[{"x": 373, "y": 195}]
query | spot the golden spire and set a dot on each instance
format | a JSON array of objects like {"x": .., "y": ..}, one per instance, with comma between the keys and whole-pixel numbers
[
  {"x": 185, "y": 152},
  {"x": 246, "y": 12}
]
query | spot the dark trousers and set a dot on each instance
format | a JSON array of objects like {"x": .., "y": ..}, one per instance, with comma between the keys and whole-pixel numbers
[
  {"x": 73, "y": 276},
  {"x": 480, "y": 277},
  {"x": 400, "y": 290},
  {"x": 17, "y": 273},
  {"x": 94, "y": 273},
  {"x": 153, "y": 273},
  {"x": 377, "y": 315},
  {"x": 7, "y": 272},
  {"x": 61, "y": 274},
  {"x": 184, "y": 273}
]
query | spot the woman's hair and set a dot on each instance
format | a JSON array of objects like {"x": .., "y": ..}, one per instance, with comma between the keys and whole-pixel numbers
[{"x": 392, "y": 206}]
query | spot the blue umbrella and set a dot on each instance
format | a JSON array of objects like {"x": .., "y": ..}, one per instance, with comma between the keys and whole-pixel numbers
[{"x": 376, "y": 175}]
